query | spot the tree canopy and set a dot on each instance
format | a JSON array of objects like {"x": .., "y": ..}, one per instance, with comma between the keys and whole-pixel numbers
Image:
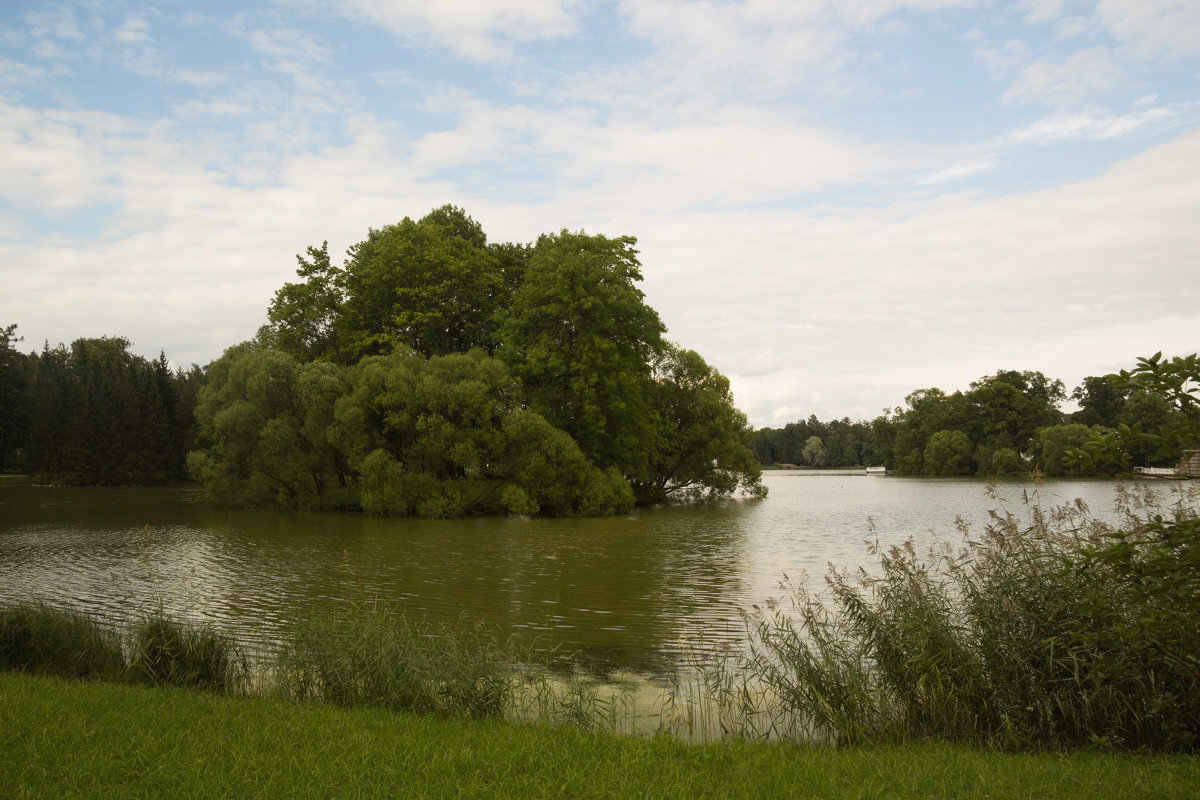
[{"x": 438, "y": 374}]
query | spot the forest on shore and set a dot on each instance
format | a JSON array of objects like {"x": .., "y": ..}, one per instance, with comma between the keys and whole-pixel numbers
[
  {"x": 438, "y": 374},
  {"x": 1011, "y": 423}
]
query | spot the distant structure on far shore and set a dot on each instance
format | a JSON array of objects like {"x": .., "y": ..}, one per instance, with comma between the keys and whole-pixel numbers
[{"x": 1188, "y": 467}]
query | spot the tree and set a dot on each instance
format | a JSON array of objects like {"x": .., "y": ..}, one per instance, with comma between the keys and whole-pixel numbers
[
  {"x": 449, "y": 437},
  {"x": 1100, "y": 401},
  {"x": 948, "y": 453},
  {"x": 1176, "y": 382},
  {"x": 1050, "y": 446},
  {"x": 99, "y": 415},
  {"x": 304, "y": 316},
  {"x": 581, "y": 339},
  {"x": 430, "y": 286},
  {"x": 814, "y": 452},
  {"x": 702, "y": 450},
  {"x": 14, "y": 385},
  {"x": 266, "y": 419},
  {"x": 1008, "y": 407}
]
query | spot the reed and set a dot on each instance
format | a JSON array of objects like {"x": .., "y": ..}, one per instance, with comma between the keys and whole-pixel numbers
[
  {"x": 369, "y": 656},
  {"x": 164, "y": 651},
  {"x": 39, "y": 639},
  {"x": 1051, "y": 632}
]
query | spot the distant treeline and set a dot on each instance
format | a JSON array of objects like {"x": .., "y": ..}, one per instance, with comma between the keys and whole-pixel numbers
[
  {"x": 1005, "y": 424},
  {"x": 94, "y": 413}
]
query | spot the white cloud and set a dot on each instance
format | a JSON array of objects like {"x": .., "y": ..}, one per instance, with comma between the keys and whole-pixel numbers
[
  {"x": 1154, "y": 28},
  {"x": 133, "y": 31},
  {"x": 961, "y": 169},
  {"x": 1041, "y": 11},
  {"x": 732, "y": 155},
  {"x": 938, "y": 292},
  {"x": 59, "y": 23},
  {"x": 1094, "y": 125},
  {"x": 477, "y": 29},
  {"x": 1071, "y": 80}
]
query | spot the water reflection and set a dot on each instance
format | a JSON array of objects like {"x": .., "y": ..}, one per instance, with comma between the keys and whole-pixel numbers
[{"x": 628, "y": 593}]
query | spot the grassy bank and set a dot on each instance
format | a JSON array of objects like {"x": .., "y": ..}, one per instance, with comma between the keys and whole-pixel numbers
[{"x": 61, "y": 738}]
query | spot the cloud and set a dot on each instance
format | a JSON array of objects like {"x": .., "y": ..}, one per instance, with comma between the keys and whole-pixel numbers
[
  {"x": 733, "y": 155},
  {"x": 888, "y": 300},
  {"x": 59, "y": 23},
  {"x": 1070, "y": 80},
  {"x": 1097, "y": 125},
  {"x": 133, "y": 31},
  {"x": 481, "y": 30},
  {"x": 961, "y": 169},
  {"x": 1152, "y": 29}
]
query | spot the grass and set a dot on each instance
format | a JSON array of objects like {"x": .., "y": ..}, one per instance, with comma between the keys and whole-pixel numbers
[
  {"x": 61, "y": 738},
  {"x": 158, "y": 651}
]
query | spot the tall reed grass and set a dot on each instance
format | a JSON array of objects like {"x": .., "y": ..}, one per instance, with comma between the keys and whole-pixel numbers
[
  {"x": 39, "y": 639},
  {"x": 164, "y": 651},
  {"x": 1056, "y": 631},
  {"x": 369, "y": 656}
]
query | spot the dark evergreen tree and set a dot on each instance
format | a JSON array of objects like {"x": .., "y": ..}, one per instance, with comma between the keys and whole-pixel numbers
[{"x": 14, "y": 407}]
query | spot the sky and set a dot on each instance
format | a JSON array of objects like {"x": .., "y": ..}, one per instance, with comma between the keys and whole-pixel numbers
[{"x": 836, "y": 203}]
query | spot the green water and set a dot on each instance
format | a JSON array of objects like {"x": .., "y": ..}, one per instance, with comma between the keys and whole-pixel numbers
[{"x": 629, "y": 593}]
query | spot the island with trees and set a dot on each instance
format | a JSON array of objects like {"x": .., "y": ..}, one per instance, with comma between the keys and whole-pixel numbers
[{"x": 433, "y": 374}]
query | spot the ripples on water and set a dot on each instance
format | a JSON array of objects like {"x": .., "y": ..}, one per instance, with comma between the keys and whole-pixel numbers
[{"x": 629, "y": 593}]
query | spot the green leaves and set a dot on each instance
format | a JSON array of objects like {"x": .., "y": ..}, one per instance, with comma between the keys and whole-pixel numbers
[
  {"x": 417, "y": 418},
  {"x": 581, "y": 339},
  {"x": 1165, "y": 399}
]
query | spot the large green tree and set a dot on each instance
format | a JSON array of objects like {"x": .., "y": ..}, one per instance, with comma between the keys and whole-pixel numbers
[
  {"x": 1100, "y": 401},
  {"x": 304, "y": 317},
  {"x": 948, "y": 453},
  {"x": 449, "y": 436},
  {"x": 1161, "y": 418},
  {"x": 431, "y": 286},
  {"x": 582, "y": 340},
  {"x": 583, "y": 359},
  {"x": 265, "y": 419}
]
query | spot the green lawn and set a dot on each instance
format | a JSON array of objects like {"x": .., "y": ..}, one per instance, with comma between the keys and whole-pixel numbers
[{"x": 67, "y": 739}]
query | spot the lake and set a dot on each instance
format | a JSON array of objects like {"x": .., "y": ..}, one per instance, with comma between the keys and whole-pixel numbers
[{"x": 629, "y": 593}]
